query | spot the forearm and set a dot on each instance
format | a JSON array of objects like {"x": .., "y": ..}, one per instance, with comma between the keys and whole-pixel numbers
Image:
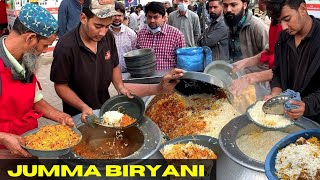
[
  {"x": 69, "y": 96},
  {"x": 258, "y": 77},
  {"x": 312, "y": 105},
  {"x": 276, "y": 91},
  {"x": 143, "y": 89},
  {"x": 2, "y": 136},
  {"x": 117, "y": 79},
  {"x": 48, "y": 111},
  {"x": 254, "y": 60}
]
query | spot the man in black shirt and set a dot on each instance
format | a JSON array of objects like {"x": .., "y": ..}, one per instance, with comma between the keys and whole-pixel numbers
[
  {"x": 297, "y": 56},
  {"x": 86, "y": 62}
]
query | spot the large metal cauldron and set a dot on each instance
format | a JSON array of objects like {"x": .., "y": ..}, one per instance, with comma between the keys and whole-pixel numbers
[
  {"x": 146, "y": 133},
  {"x": 239, "y": 166}
]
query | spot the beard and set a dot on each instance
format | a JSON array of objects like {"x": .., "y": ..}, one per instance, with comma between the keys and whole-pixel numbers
[
  {"x": 233, "y": 19},
  {"x": 214, "y": 17},
  {"x": 116, "y": 24},
  {"x": 31, "y": 61}
]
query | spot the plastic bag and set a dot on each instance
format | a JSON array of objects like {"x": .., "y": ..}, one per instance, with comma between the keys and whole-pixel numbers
[{"x": 193, "y": 58}]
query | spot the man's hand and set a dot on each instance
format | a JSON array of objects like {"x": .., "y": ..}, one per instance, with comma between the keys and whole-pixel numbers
[
  {"x": 85, "y": 112},
  {"x": 296, "y": 113},
  {"x": 65, "y": 119},
  {"x": 12, "y": 143},
  {"x": 239, "y": 85},
  {"x": 239, "y": 65},
  {"x": 274, "y": 92},
  {"x": 169, "y": 81},
  {"x": 126, "y": 92}
]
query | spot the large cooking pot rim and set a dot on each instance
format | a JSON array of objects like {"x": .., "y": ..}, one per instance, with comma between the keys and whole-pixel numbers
[
  {"x": 229, "y": 135},
  {"x": 148, "y": 128}
]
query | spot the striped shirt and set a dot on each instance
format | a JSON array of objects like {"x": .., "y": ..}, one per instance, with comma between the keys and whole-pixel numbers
[
  {"x": 126, "y": 41},
  {"x": 164, "y": 43}
]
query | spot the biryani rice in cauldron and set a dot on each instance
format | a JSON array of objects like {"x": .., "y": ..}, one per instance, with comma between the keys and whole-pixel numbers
[{"x": 198, "y": 114}]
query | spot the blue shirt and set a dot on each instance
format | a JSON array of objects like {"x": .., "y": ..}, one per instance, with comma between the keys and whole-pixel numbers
[{"x": 68, "y": 16}]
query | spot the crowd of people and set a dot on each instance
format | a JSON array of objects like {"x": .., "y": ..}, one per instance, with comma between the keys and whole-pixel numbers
[{"x": 275, "y": 52}]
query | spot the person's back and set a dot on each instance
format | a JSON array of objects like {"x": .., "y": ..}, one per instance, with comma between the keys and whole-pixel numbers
[
  {"x": 69, "y": 15},
  {"x": 133, "y": 24}
]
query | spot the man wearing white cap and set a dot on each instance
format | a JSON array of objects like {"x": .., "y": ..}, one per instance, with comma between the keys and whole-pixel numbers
[
  {"x": 86, "y": 62},
  {"x": 21, "y": 102}
]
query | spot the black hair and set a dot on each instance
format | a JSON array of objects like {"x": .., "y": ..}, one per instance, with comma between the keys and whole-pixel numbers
[
  {"x": 274, "y": 7},
  {"x": 207, "y": 4},
  {"x": 87, "y": 12},
  {"x": 120, "y": 6},
  {"x": 246, "y": 1},
  {"x": 139, "y": 6},
  {"x": 86, "y": 9},
  {"x": 170, "y": 10},
  {"x": 20, "y": 28},
  {"x": 131, "y": 10},
  {"x": 156, "y": 7}
]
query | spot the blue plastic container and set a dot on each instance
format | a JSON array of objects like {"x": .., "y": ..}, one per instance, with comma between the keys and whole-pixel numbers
[{"x": 269, "y": 165}]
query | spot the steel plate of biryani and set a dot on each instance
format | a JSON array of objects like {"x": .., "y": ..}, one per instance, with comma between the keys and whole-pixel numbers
[
  {"x": 299, "y": 160},
  {"x": 256, "y": 114},
  {"x": 52, "y": 137},
  {"x": 187, "y": 151},
  {"x": 116, "y": 119},
  {"x": 198, "y": 114},
  {"x": 189, "y": 154}
]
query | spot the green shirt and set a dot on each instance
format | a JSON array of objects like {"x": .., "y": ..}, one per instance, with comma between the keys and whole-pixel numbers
[{"x": 20, "y": 69}]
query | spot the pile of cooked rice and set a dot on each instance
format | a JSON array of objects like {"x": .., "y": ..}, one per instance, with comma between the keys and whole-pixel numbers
[
  {"x": 178, "y": 116},
  {"x": 257, "y": 144},
  {"x": 187, "y": 151},
  {"x": 116, "y": 119},
  {"x": 268, "y": 120},
  {"x": 300, "y": 160},
  {"x": 52, "y": 137}
]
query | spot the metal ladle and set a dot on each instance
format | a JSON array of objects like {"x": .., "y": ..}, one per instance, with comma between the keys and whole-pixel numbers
[{"x": 93, "y": 120}]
